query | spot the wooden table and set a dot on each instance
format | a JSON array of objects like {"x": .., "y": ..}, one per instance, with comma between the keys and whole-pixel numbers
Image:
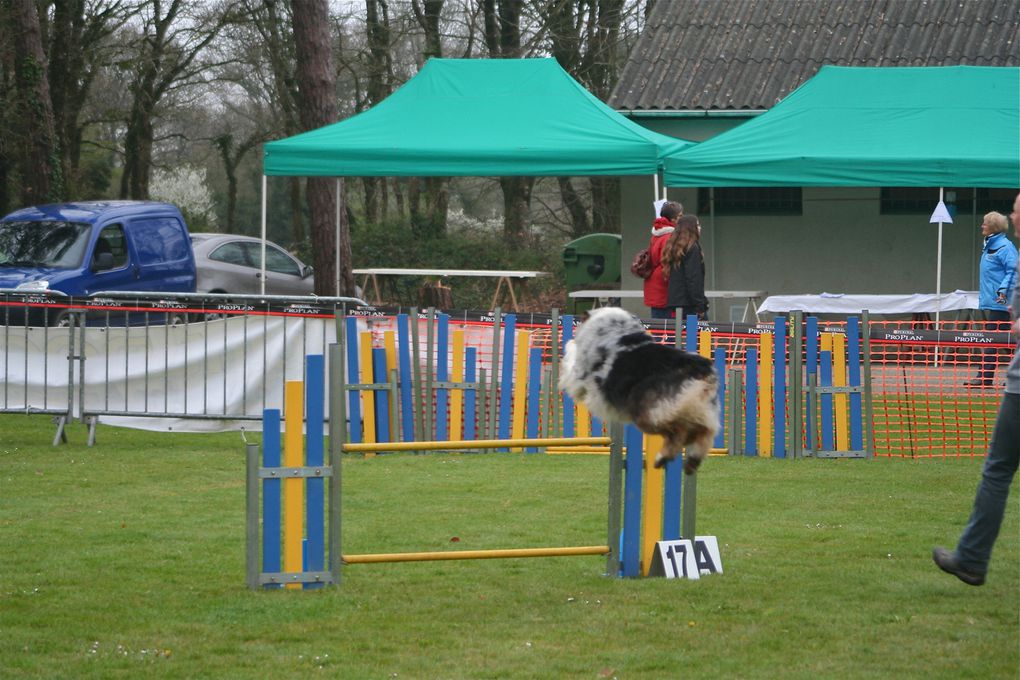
[
  {"x": 504, "y": 285},
  {"x": 753, "y": 297}
]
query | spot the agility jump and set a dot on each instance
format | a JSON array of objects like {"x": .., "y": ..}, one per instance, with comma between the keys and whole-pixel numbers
[{"x": 286, "y": 505}]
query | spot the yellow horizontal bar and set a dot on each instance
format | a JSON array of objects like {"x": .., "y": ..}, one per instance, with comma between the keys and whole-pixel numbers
[
  {"x": 605, "y": 450},
  {"x": 579, "y": 449},
  {"x": 475, "y": 554},
  {"x": 475, "y": 444}
]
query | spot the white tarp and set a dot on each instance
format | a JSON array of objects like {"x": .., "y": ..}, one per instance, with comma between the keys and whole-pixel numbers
[
  {"x": 846, "y": 303},
  {"x": 211, "y": 372}
]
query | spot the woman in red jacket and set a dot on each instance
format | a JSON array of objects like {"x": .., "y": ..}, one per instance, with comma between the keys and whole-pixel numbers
[{"x": 656, "y": 287}]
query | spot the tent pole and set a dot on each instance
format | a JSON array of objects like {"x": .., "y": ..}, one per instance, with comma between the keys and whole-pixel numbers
[
  {"x": 336, "y": 240},
  {"x": 655, "y": 184},
  {"x": 711, "y": 226},
  {"x": 262, "y": 278},
  {"x": 938, "y": 280}
]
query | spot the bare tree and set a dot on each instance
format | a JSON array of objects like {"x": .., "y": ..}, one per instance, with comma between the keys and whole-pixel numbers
[
  {"x": 503, "y": 39},
  {"x": 77, "y": 39},
  {"x": 379, "y": 66},
  {"x": 39, "y": 154},
  {"x": 317, "y": 107},
  {"x": 232, "y": 153},
  {"x": 271, "y": 20},
  {"x": 8, "y": 112},
  {"x": 170, "y": 46},
  {"x": 429, "y": 197},
  {"x": 584, "y": 37}
]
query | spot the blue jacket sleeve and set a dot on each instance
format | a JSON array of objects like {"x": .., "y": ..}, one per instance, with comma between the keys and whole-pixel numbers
[{"x": 1008, "y": 257}]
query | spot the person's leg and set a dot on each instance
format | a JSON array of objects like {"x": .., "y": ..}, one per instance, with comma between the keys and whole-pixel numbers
[
  {"x": 662, "y": 313},
  {"x": 990, "y": 355},
  {"x": 974, "y": 549}
]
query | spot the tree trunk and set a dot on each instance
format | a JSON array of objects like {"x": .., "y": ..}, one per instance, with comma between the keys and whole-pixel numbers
[
  {"x": 225, "y": 144},
  {"x": 139, "y": 180},
  {"x": 580, "y": 225},
  {"x": 605, "y": 204},
  {"x": 41, "y": 180},
  {"x": 516, "y": 209},
  {"x": 502, "y": 22},
  {"x": 371, "y": 186},
  {"x": 232, "y": 155},
  {"x": 297, "y": 220},
  {"x": 399, "y": 203},
  {"x": 318, "y": 107},
  {"x": 431, "y": 221}
]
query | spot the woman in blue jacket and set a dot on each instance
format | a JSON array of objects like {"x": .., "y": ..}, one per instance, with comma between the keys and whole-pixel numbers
[{"x": 998, "y": 276}]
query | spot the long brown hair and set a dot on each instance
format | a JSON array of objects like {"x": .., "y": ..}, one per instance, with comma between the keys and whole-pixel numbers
[{"x": 680, "y": 241}]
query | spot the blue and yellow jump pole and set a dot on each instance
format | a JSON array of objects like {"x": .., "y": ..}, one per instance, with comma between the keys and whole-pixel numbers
[
  {"x": 293, "y": 494},
  {"x": 836, "y": 392}
]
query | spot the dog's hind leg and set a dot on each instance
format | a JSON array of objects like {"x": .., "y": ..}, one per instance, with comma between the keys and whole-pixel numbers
[
  {"x": 697, "y": 449},
  {"x": 672, "y": 444}
]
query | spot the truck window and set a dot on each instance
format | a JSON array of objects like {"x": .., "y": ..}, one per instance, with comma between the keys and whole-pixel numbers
[
  {"x": 111, "y": 240},
  {"x": 48, "y": 243},
  {"x": 159, "y": 240}
]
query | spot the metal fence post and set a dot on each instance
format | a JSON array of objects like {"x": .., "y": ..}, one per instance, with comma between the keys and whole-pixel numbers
[{"x": 251, "y": 505}]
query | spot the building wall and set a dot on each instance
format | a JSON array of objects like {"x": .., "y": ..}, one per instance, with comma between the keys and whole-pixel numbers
[{"x": 840, "y": 244}]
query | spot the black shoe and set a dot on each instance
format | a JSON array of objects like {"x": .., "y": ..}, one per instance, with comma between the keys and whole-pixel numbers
[
  {"x": 977, "y": 382},
  {"x": 946, "y": 561}
]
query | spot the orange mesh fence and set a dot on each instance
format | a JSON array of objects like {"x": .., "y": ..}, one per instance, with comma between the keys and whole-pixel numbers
[{"x": 937, "y": 398}]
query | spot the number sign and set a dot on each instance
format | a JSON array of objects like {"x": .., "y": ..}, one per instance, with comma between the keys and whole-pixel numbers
[{"x": 683, "y": 558}]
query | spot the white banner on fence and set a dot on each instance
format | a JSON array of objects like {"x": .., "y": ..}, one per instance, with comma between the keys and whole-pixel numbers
[{"x": 208, "y": 373}]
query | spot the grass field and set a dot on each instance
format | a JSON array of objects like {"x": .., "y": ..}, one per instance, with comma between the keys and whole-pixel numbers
[{"x": 127, "y": 560}]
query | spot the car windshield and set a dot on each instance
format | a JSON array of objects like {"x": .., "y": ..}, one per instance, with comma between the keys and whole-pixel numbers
[{"x": 47, "y": 243}]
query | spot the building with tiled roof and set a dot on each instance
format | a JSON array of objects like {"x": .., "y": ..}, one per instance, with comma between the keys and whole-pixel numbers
[
  {"x": 704, "y": 66},
  {"x": 746, "y": 55}
]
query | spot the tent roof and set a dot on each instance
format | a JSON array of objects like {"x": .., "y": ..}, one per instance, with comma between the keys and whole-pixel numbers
[
  {"x": 863, "y": 126},
  {"x": 478, "y": 117}
]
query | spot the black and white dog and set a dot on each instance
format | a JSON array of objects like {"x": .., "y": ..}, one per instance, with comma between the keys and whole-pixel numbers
[{"x": 620, "y": 373}]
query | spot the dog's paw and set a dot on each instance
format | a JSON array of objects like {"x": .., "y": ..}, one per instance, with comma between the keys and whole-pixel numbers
[
  {"x": 691, "y": 465},
  {"x": 662, "y": 458}
]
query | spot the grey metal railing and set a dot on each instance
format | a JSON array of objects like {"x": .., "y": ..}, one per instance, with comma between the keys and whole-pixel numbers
[{"x": 147, "y": 356}]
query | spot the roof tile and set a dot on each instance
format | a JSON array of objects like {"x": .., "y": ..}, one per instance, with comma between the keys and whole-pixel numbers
[{"x": 749, "y": 54}]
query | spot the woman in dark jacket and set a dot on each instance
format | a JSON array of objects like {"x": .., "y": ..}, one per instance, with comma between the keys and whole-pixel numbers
[{"x": 683, "y": 264}]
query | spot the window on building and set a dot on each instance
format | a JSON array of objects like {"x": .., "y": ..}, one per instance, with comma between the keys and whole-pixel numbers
[
  {"x": 751, "y": 201},
  {"x": 968, "y": 201}
]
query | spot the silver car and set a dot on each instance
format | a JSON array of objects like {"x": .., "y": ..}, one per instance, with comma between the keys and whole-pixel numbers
[{"x": 228, "y": 263}]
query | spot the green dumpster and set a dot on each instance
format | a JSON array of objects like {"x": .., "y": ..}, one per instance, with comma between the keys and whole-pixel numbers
[{"x": 593, "y": 261}]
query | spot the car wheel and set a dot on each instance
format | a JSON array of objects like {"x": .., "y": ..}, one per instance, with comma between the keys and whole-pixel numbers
[
  {"x": 213, "y": 316},
  {"x": 61, "y": 319}
]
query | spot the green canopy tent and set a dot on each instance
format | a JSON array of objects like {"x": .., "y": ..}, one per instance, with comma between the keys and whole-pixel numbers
[
  {"x": 863, "y": 126},
  {"x": 477, "y": 118}
]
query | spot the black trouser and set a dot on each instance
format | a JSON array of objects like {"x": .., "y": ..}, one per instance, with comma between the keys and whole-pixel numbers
[{"x": 990, "y": 355}]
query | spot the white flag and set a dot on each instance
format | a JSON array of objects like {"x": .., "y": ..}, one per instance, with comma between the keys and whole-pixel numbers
[{"x": 941, "y": 214}]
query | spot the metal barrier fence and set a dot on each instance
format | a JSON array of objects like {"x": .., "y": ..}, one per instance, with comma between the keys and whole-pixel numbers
[
  {"x": 204, "y": 362},
  {"x": 161, "y": 361}
]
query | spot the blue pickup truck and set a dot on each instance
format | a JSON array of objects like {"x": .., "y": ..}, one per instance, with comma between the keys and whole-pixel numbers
[{"x": 82, "y": 248}]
